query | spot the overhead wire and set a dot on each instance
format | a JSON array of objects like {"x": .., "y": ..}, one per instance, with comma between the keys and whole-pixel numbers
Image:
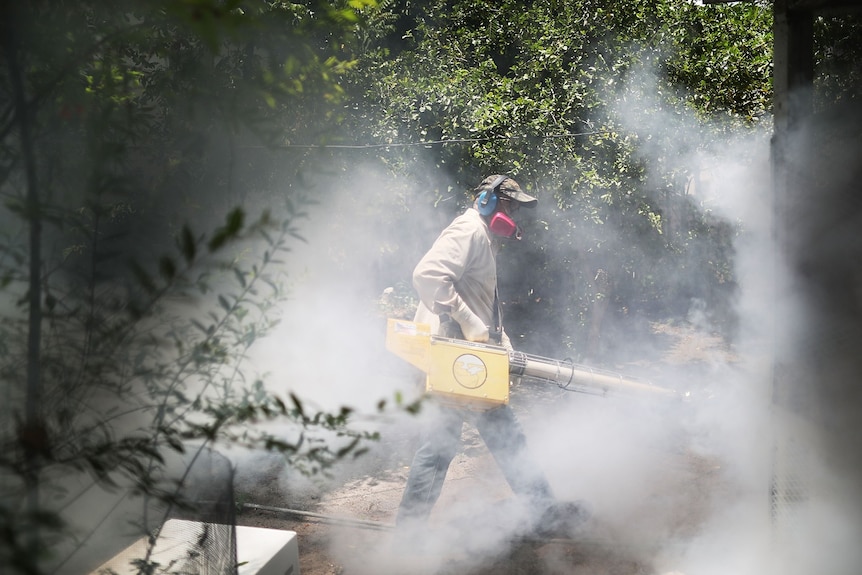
[{"x": 426, "y": 143}]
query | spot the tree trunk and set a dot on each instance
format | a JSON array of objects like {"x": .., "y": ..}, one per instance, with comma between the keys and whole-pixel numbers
[{"x": 32, "y": 432}]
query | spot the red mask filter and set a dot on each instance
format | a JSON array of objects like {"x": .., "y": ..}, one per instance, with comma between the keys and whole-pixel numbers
[{"x": 503, "y": 225}]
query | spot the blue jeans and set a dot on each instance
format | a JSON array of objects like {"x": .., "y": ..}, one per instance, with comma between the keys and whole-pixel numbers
[{"x": 439, "y": 444}]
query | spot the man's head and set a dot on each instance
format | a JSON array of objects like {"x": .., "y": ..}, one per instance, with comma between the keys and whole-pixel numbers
[
  {"x": 498, "y": 198},
  {"x": 504, "y": 188}
]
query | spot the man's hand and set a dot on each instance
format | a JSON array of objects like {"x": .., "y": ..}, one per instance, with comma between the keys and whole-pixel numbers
[
  {"x": 505, "y": 341},
  {"x": 474, "y": 329}
]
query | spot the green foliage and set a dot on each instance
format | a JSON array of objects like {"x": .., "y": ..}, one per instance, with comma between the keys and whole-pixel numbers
[
  {"x": 724, "y": 62},
  {"x": 134, "y": 279},
  {"x": 602, "y": 109},
  {"x": 837, "y": 62}
]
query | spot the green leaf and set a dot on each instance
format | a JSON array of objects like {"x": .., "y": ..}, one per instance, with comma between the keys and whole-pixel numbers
[
  {"x": 233, "y": 225},
  {"x": 188, "y": 246},
  {"x": 297, "y": 404},
  {"x": 347, "y": 448},
  {"x": 224, "y": 303},
  {"x": 143, "y": 277},
  {"x": 167, "y": 268},
  {"x": 240, "y": 276}
]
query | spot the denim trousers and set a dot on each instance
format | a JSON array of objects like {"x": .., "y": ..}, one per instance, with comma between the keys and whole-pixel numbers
[{"x": 439, "y": 443}]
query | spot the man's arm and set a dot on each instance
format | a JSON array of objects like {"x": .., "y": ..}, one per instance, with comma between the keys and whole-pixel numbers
[{"x": 436, "y": 273}]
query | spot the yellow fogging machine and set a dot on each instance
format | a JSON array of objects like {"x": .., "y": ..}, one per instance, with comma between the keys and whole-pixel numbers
[{"x": 477, "y": 375}]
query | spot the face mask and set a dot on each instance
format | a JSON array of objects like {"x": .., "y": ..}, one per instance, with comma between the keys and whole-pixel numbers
[{"x": 503, "y": 225}]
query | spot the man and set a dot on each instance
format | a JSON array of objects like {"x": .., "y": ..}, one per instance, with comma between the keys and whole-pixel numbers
[{"x": 456, "y": 281}]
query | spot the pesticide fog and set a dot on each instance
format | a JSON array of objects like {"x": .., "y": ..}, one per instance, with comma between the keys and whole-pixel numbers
[{"x": 798, "y": 305}]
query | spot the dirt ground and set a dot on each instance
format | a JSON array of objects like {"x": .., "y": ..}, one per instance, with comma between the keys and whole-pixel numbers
[{"x": 345, "y": 528}]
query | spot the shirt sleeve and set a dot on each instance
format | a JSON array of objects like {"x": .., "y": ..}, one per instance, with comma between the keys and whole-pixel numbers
[{"x": 442, "y": 266}]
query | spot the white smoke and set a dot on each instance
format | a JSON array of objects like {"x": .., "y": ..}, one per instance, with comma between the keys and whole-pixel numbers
[{"x": 693, "y": 487}]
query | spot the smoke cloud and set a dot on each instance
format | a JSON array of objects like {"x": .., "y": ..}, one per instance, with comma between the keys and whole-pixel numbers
[{"x": 757, "y": 471}]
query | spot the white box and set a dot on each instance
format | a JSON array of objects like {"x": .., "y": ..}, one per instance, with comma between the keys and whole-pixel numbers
[
  {"x": 259, "y": 551},
  {"x": 262, "y": 551}
]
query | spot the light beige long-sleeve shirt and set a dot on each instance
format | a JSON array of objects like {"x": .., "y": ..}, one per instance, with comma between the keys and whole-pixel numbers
[{"x": 461, "y": 264}]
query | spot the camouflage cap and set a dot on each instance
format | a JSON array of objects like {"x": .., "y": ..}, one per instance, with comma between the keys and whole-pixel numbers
[{"x": 509, "y": 188}]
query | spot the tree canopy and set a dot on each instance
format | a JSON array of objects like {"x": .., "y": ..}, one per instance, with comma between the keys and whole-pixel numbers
[{"x": 605, "y": 110}]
